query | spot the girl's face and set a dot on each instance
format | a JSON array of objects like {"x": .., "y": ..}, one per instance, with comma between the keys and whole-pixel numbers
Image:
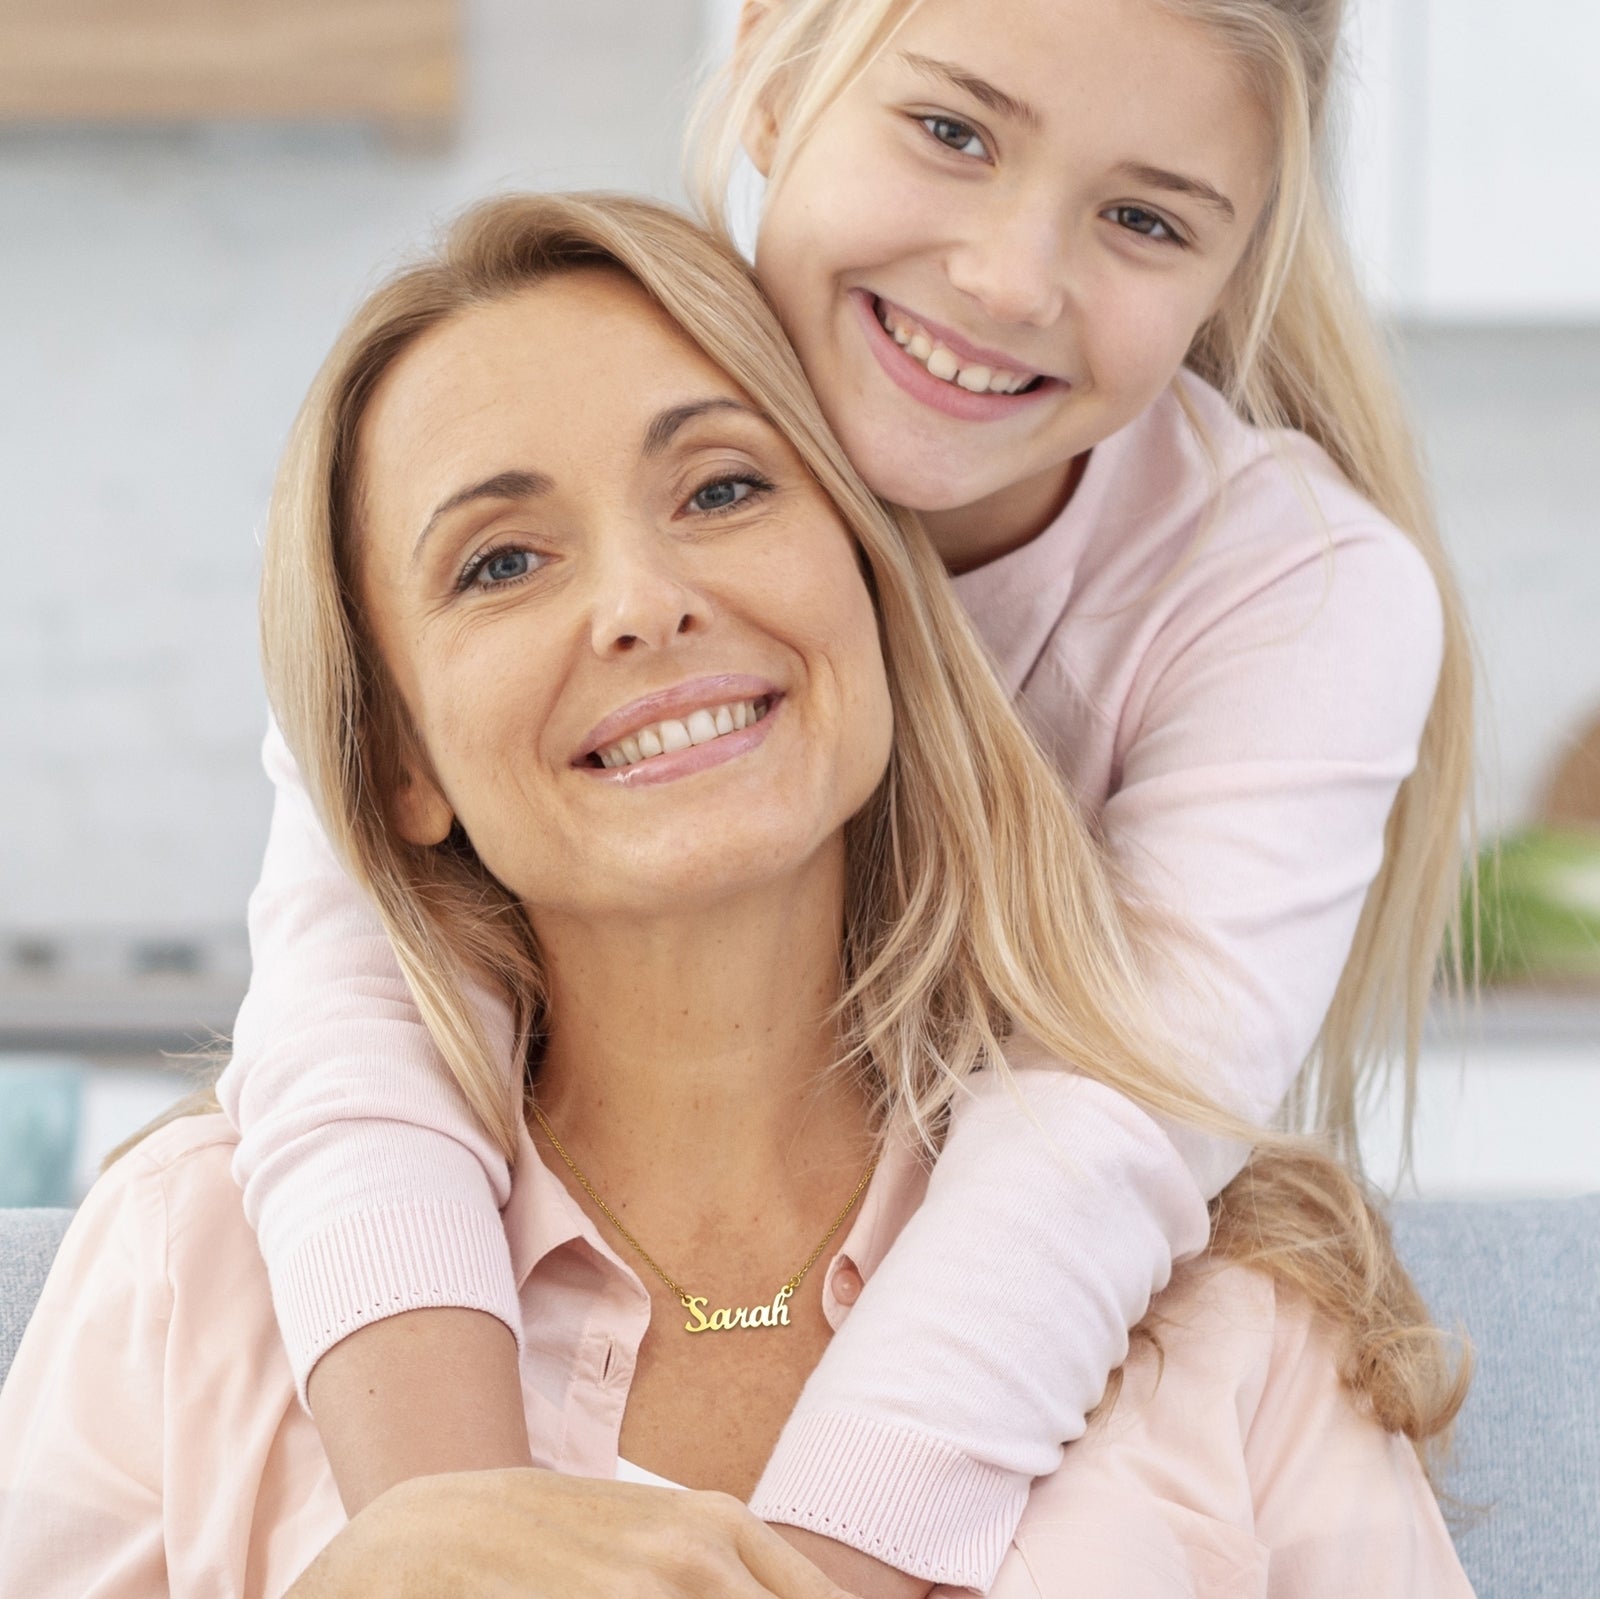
[
  {"x": 997, "y": 245},
  {"x": 630, "y": 630}
]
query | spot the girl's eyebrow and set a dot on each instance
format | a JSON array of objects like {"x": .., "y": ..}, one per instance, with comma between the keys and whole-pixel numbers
[
  {"x": 985, "y": 93},
  {"x": 1177, "y": 183}
]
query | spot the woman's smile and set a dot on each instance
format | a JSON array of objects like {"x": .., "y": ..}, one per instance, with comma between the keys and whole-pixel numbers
[{"x": 691, "y": 728}]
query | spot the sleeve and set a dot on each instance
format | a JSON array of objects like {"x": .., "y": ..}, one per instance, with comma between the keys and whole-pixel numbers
[
  {"x": 1263, "y": 749},
  {"x": 81, "y": 1412},
  {"x": 1007, "y": 1300},
  {"x": 1341, "y": 1504},
  {"x": 1276, "y": 718},
  {"x": 372, "y": 1187}
]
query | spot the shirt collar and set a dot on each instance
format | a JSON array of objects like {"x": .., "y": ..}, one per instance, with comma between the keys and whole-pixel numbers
[{"x": 540, "y": 1215}]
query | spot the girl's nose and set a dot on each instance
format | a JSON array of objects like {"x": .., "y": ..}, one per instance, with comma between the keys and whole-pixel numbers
[
  {"x": 641, "y": 602},
  {"x": 1014, "y": 264}
]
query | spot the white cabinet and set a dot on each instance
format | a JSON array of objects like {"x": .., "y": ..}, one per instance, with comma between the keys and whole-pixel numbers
[{"x": 1472, "y": 163}]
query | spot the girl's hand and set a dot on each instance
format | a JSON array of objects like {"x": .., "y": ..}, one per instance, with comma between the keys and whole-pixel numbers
[{"x": 530, "y": 1534}]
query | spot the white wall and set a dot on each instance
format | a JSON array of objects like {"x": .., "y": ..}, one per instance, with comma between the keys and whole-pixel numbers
[{"x": 164, "y": 298}]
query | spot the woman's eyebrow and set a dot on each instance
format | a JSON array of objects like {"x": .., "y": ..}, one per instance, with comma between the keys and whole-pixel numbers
[
  {"x": 511, "y": 485},
  {"x": 981, "y": 90},
  {"x": 664, "y": 425}
]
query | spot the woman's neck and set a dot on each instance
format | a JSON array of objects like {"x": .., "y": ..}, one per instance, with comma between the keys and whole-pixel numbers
[{"x": 692, "y": 1051}]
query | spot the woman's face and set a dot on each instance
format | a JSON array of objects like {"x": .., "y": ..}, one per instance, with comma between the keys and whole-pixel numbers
[
  {"x": 631, "y": 632},
  {"x": 1055, "y": 199}
]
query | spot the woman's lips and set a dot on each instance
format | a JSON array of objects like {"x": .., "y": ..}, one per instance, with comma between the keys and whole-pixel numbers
[
  {"x": 693, "y": 694},
  {"x": 668, "y": 768},
  {"x": 917, "y": 381},
  {"x": 665, "y": 765}
]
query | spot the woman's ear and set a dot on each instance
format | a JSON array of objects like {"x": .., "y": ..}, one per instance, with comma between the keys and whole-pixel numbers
[
  {"x": 760, "y": 134},
  {"x": 422, "y": 815}
]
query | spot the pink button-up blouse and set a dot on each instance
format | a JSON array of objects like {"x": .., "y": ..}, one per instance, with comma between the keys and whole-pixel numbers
[{"x": 152, "y": 1442}]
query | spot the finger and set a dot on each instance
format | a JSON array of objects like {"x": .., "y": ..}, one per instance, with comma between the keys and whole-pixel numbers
[{"x": 782, "y": 1569}]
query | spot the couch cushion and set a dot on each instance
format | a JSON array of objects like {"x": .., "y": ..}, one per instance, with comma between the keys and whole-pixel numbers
[
  {"x": 28, "y": 1243},
  {"x": 1523, "y": 1277}
]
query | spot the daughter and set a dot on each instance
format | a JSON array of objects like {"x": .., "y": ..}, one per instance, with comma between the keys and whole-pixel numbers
[{"x": 1068, "y": 287}]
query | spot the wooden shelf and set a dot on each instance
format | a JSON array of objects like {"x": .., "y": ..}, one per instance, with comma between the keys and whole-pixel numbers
[{"x": 388, "y": 61}]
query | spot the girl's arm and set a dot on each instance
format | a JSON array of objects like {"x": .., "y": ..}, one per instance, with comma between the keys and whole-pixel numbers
[
  {"x": 1260, "y": 755},
  {"x": 374, "y": 1192}
]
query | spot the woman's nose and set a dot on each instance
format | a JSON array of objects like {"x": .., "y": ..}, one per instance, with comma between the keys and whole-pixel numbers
[
  {"x": 1015, "y": 265},
  {"x": 641, "y": 602}
]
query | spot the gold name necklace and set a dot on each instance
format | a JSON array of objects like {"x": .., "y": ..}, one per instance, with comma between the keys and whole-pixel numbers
[{"x": 720, "y": 1320}]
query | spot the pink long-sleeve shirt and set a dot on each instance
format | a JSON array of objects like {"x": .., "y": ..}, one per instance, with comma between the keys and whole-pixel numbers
[
  {"x": 1230, "y": 656},
  {"x": 152, "y": 1444}
]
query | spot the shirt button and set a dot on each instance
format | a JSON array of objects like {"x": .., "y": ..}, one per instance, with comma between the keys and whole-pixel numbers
[{"x": 847, "y": 1285}]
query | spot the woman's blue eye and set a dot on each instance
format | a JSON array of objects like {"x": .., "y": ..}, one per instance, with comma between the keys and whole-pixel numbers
[
  {"x": 1145, "y": 223},
  {"x": 506, "y": 565},
  {"x": 961, "y": 137},
  {"x": 726, "y": 493},
  {"x": 498, "y": 568}
]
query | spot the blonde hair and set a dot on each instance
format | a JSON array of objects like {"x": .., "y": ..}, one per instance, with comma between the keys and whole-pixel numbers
[
  {"x": 1293, "y": 347},
  {"x": 978, "y": 899}
]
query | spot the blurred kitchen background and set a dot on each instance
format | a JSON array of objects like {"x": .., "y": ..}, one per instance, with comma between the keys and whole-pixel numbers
[{"x": 193, "y": 195}]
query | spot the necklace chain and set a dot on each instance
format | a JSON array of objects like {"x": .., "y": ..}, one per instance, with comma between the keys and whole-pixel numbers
[{"x": 684, "y": 1297}]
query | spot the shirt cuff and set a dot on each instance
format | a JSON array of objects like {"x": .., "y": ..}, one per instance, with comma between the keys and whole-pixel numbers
[
  {"x": 368, "y": 1265},
  {"x": 900, "y": 1495}
]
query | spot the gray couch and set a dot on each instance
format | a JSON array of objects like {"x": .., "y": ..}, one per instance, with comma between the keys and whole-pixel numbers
[{"x": 1523, "y": 1278}]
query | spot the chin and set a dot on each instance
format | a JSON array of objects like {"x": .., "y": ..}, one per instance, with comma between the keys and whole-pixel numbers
[{"x": 917, "y": 475}]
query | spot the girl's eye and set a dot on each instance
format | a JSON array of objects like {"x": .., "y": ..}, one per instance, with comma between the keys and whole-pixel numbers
[
  {"x": 725, "y": 493},
  {"x": 1145, "y": 223},
  {"x": 499, "y": 568},
  {"x": 961, "y": 137}
]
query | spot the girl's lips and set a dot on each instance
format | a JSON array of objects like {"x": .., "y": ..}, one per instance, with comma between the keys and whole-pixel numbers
[
  {"x": 917, "y": 381},
  {"x": 685, "y": 763}
]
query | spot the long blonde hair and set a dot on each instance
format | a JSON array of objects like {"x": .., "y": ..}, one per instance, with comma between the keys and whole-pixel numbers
[
  {"x": 978, "y": 899},
  {"x": 1293, "y": 347}
]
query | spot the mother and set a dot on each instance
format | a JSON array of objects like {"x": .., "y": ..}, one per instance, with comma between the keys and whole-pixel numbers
[{"x": 617, "y": 691}]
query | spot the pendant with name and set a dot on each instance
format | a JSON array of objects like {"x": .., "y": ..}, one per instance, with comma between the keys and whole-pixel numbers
[{"x": 722, "y": 1320}]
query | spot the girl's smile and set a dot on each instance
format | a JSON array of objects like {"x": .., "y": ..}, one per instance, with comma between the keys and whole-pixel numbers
[{"x": 945, "y": 371}]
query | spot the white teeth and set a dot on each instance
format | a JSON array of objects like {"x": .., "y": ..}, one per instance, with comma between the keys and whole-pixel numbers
[
  {"x": 945, "y": 364},
  {"x": 699, "y": 727}
]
